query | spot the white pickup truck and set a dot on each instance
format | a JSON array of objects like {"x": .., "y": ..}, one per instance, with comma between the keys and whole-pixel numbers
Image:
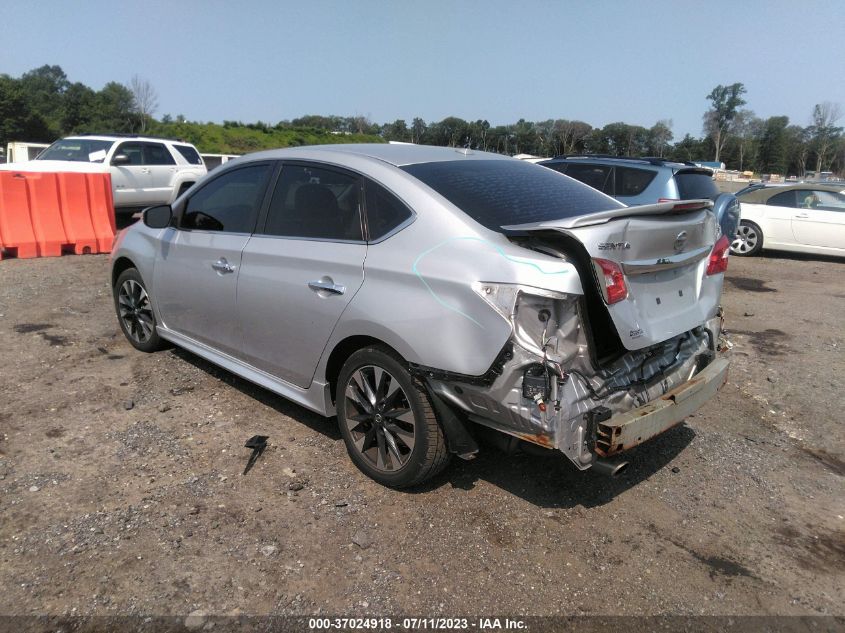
[{"x": 145, "y": 171}]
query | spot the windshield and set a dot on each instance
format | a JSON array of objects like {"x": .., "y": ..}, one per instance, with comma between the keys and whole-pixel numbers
[
  {"x": 497, "y": 193},
  {"x": 81, "y": 150}
]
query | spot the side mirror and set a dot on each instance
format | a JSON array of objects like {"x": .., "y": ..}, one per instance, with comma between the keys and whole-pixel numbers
[
  {"x": 158, "y": 217},
  {"x": 120, "y": 159}
]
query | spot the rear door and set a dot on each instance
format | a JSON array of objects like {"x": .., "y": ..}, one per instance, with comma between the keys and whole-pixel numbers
[
  {"x": 162, "y": 167},
  {"x": 819, "y": 219},
  {"x": 197, "y": 268},
  {"x": 301, "y": 269},
  {"x": 130, "y": 180}
]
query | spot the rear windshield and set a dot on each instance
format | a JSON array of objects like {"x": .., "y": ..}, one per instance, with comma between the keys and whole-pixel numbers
[
  {"x": 497, "y": 193},
  {"x": 189, "y": 154},
  {"x": 696, "y": 185}
]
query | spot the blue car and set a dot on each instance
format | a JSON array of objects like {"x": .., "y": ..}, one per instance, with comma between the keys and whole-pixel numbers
[{"x": 636, "y": 181}]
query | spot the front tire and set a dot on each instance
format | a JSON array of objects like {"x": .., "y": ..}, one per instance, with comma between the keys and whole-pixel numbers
[
  {"x": 387, "y": 420},
  {"x": 748, "y": 240},
  {"x": 135, "y": 312}
]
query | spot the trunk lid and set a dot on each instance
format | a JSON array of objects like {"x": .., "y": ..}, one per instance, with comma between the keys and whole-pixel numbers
[{"x": 663, "y": 252}]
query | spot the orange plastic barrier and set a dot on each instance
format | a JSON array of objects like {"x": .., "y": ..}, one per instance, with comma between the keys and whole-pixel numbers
[{"x": 48, "y": 214}]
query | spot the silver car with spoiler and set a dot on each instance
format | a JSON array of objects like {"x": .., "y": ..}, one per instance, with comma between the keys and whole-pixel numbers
[{"x": 420, "y": 293}]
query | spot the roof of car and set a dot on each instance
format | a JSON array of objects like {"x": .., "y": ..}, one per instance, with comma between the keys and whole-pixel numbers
[
  {"x": 115, "y": 137},
  {"x": 394, "y": 154},
  {"x": 762, "y": 194}
]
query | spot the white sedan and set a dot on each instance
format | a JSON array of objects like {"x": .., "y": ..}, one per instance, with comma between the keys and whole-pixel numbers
[{"x": 805, "y": 218}]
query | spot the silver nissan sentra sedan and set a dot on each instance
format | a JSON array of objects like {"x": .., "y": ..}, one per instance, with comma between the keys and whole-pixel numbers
[{"x": 419, "y": 292}]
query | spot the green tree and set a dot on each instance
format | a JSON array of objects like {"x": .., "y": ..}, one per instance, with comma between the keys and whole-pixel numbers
[
  {"x": 659, "y": 137},
  {"x": 79, "y": 109},
  {"x": 824, "y": 132},
  {"x": 773, "y": 146},
  {"x": 44, "y": 89},
  {"x": 725, "y": 102},
  {"x": 115, "y": 109},
  {"x": 17, "y": 120}
]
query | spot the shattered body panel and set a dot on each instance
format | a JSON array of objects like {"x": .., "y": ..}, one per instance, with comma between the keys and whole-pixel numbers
[{"x": 642, "y": 390}]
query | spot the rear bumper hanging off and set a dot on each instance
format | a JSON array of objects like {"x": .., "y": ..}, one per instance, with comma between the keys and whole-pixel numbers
[{"x": 626, "y": 430}]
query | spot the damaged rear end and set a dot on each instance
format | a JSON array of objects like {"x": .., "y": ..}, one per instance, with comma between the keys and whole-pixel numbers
[{"x": 595, "y": 374}]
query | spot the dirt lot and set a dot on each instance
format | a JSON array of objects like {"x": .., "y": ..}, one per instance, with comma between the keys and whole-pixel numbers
[{"x": 121, "y": 487}]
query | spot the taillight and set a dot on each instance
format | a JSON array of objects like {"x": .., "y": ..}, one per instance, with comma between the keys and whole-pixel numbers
[
  {"x": 667, "y": 199},
  {"x": 719, "y": 257},
  {"x": 611, "y": 280}
]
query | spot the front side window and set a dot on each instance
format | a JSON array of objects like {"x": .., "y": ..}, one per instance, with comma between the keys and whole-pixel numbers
[
  {"x": 823, "y": 200},
  {"x": 315, "y": 202},
  {"x": 133, "y": 151},
  {"x": 384, "y": 210},
  {"x": 81, "y": 150},
  {"x": 498, "y": 193},
  {"x": 157, "y": 154},
  {"x": 229, "y": 203}
]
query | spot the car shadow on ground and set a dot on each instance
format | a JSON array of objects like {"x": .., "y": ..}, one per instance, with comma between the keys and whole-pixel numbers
[
  {"x": 801, "y": 257},
  {"x": 552, "y": 481},
  {"x": 544, "y": 480},
  {"x": 313, "y": 421}
]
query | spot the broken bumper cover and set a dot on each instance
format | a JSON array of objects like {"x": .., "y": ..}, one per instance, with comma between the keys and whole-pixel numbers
[{"x": 626, "y": 430}]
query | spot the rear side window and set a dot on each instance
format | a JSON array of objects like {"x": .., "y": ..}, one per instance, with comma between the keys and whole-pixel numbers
[
  {"x": 189, "y": 154},
  {"x": 783, "y": 199},
  {"x": 157, "y": 154},
  {"x": 384, "y": 210},
  {"x": 497, "y": 193},
  {"x": 632, "y": 182},
  {"x": 313, "y": 202},
  {"x": 696, "y": 185},
  {"x": 597, "y": 176},
  {"x": 229, "y": 203}
]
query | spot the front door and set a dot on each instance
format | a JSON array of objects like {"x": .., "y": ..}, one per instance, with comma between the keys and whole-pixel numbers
[
  {"x": 300, "y": 270},
  {"x": 197, "y": 269},
  {"x": 131, "y": 180},
  {"x": 820, "y": 219}
]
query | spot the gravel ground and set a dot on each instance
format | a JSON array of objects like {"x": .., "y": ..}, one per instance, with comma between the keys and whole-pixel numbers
[{"x": 121, "y": 489}]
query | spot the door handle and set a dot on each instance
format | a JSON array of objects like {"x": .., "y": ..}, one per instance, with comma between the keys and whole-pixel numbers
[
  {"x": 144, "y": 170},
  {"x": 802, "y": 215},
  {"x": 328, "y": 286},
  {"x": 222, "y": 266}
]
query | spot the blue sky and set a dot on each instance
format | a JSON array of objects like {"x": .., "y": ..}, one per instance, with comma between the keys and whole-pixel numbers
[{"x": 598, "y": 61}]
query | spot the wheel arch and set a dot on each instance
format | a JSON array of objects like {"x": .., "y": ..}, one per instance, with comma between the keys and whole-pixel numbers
[
  {"x": 343, "y": 350},
  {"x": 120, "y": 265}
]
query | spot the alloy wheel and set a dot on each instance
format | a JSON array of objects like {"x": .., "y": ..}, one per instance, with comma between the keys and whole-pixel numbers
[
  {"x": 135, "y": 311},
  {"x": 379, "y": 418},
  {"x": 746, "y": 239}
]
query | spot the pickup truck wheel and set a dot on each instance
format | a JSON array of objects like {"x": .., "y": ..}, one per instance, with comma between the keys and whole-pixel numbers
[
  {"x": 387, "y": 420},
  {"x": 748, "y": 240},
  {"x": 135, "y": 312}
]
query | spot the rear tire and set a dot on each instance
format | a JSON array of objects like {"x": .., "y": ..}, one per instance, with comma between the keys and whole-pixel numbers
[
  {"x": 135, "y": 313},
  {"x": 748, "y": 240},
  {"x": 387, "y": 420}
]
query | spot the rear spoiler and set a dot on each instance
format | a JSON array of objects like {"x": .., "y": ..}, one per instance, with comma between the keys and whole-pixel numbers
[{"x": 661, "y": 208}]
